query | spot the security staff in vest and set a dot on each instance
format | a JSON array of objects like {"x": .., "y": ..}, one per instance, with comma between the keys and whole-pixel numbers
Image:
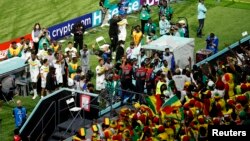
[{"x": 78, "y": 31}]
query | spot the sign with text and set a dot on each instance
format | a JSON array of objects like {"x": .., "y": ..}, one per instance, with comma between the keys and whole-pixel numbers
[
  {"x": 149, "y": 2},
  {"x": 85, "y": 102},
  {"x": 133, "y": 5},
  {"x": 64, "y": 29}
]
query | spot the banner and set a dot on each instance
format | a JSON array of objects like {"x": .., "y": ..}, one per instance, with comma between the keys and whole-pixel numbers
[
  {"x": 64, "y": 29},
  {"x": 133, "y": 5},
  {"x": 149, "y": 2}
]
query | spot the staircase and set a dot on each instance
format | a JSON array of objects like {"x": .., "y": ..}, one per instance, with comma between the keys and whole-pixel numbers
[{"x": 64, "y": 130}]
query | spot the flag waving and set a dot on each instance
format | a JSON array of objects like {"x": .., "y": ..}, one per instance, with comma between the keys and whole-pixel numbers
[{"x": 154, "y": 102}]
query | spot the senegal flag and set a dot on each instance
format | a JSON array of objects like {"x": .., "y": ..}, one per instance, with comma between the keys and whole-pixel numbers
[
  {"x": 177, "y": 115},
  {"x": 154, "y": 102},
  {"x": 171, "y": 104}
]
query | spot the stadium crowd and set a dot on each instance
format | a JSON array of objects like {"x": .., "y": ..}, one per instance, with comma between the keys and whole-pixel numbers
[{"x": 170, "y": 103}]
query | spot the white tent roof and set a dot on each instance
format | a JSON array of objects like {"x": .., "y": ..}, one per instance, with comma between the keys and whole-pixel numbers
[{"x": 170, "y": 42}]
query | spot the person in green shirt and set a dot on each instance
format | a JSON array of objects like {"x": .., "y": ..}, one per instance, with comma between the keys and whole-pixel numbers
[
  {"x": 144, "y": 16},
  {"x": 150, "y": 27},
  {"x": 166, "y": 9}
]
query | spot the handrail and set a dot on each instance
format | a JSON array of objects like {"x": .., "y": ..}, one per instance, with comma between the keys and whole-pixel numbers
[
  {"x": 54, "y": 93},
  {"x": 46, "y": 126},
  {"x": 41, "y": 118}
]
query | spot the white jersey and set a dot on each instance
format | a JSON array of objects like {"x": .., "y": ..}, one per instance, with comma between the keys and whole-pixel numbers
[
  {"x": 34, "y": 66},
  {"x": 44, "y": 70},
  {"x": 58, "y": 72},
  {"x": 100, "y": 79}
]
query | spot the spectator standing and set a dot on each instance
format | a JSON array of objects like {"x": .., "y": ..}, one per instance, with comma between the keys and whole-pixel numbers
[
  {"x": 144, "y": 16},
  {"x": 78, "y": 31},
  {"x": 137, "y": 35},
  {"x": 34, "y": 66},
  {"x": 113, "y": 32},
  {"x": 149, "y": 27},
  {"x": 55, "y": 46},
  {"x": 100, "y": 75},
  {"x": 84, "y": 53},
  {"x": 212, "y": 43},
  {"x": 166, "y": 10},
  {"x": 140, "y": 77},
  {"x": 119, "y": 51},
  {"x": 37, "y": 30},
  {"x": 20, "y": 114},
  {"x": 51, "y": 82},
  {"x": 130, "y": 50},
  {"x": 72, "y": 50},
  {"x": 180, "y": 80},
  {"x": 168, "y": 57},
  {"x": 44, "y": 39},
  {"x": 43, "y": 54},
  {"x": 164, "y": 26},
  {"x": 73, "y": 65},
  {"x": 122, "y": 28},
  {"x": 58, "y": 65},
  {"x": 44, "y": 70},
  {"x": 201, "y": 17}
]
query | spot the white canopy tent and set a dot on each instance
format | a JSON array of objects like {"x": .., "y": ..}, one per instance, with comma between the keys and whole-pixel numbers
[{"x": 182, "y": 48}]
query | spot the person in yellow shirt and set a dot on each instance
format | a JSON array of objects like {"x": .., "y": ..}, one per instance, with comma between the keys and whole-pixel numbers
[
  {"x": 160, "y": 83},
  {"x": 73, "y": 67},
  {"x": 55, "y": 46},
  {"x": 14, "y": 50},
  {"x": 137, "y": 35}
]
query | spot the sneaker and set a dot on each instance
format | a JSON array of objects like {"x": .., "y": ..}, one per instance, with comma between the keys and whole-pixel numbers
[{"x": 34, "y": 97}]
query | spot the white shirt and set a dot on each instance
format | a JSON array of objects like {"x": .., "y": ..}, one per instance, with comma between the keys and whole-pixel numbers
[
  {"x": 44, "y": 70},
  {"x": 71, "y": 50},
  {"x": 34, "y": 66},
  {"x": 129, "y": 52},
  {"x": 201, "y": 11},
  {"x": 180, "y": 81},
  {"x": 122, "y": 26},
  {"x": 164, "y": 27},
  {"x": 84, "y": 57},
  {"x": 168, "y": 59},
  {"x": 100, "y": 79}
]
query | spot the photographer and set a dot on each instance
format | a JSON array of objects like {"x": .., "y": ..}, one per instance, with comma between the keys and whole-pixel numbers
[
  {"x": 212, "y": 43},
  {"x": 44, "y": 37}
]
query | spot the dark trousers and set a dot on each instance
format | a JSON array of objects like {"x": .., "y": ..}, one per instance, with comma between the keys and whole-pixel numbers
[
  {"x": 201, "y": 25},
  {"x": 127, "y": 85},
  {"x": 139, "y": 89},
  {"x": 78, "y": 42},
  {"x": 36, "y": 45},
  {"x": 114, "y": 42},
  {"x": 143, "y": 22}
]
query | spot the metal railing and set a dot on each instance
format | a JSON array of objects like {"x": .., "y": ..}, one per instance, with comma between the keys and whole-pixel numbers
[{"x": 42, "y": 121}]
